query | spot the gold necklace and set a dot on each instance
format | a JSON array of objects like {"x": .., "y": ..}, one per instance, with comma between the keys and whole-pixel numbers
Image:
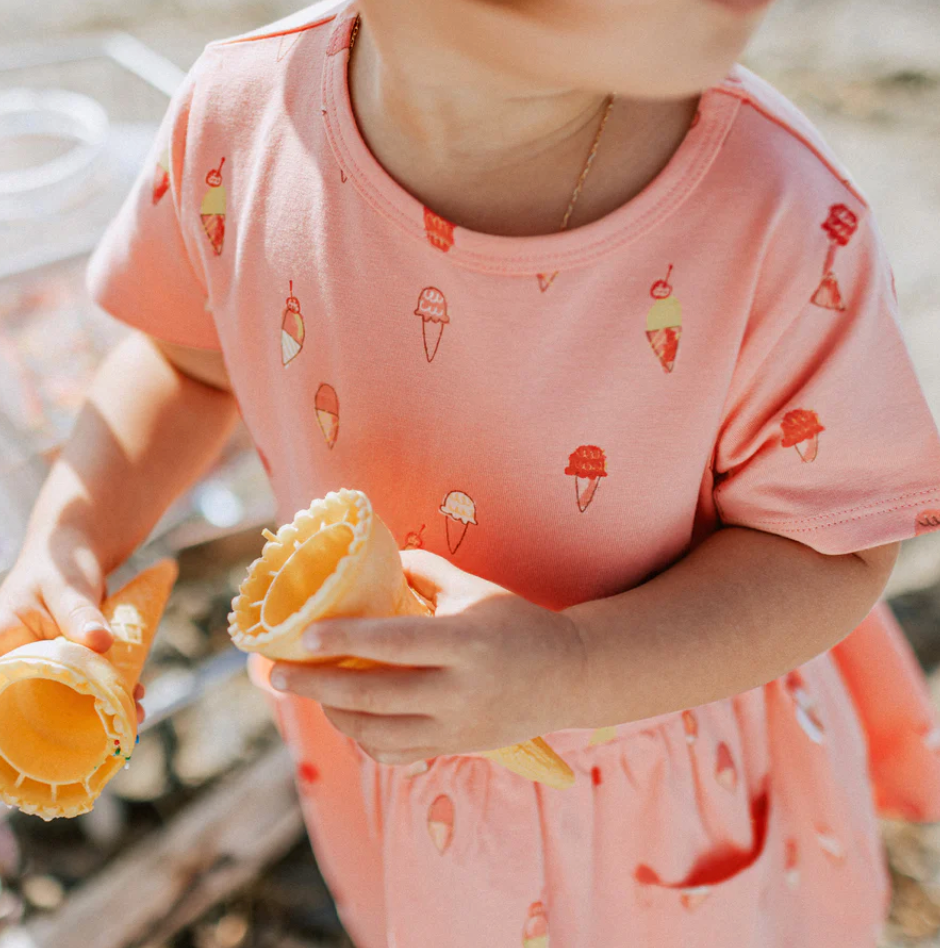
[{"x": 579, "y": 186}]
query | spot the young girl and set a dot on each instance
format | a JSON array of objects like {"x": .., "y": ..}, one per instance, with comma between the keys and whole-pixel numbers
[{"x": 617, "y": 360}]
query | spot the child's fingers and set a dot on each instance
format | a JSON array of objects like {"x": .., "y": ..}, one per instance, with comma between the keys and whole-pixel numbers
[
  {"x": 13, "y": 632},
  {"x": 78, "y": 616}
]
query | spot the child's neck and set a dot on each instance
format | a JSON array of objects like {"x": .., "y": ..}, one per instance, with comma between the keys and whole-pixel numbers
[{"x": 488, "y": 153}]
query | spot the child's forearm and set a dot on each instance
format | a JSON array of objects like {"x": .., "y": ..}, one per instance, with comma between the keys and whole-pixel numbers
[
  {"x": 742, "y": 609},
  {"x": 145, "y": 433}
]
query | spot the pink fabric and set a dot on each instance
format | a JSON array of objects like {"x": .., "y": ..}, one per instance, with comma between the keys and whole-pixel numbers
[{"x": 567, "y": 416}]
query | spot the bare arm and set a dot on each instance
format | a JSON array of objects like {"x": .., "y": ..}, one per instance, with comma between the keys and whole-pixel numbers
[
  {"x": 155, "y": 417},
  {"x": 744, "y": 608}
]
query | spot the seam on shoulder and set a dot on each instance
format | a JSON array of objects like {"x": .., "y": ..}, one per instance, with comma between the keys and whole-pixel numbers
[
  {"x": 781, "y": 122},
  {"x": 275, "y": 29}
]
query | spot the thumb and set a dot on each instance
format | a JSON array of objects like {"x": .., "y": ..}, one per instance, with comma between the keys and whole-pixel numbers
[{"x": 75, "y": 608}]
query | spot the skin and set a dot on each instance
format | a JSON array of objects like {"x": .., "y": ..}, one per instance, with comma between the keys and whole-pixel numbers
[{"x": 489, "y": 126}]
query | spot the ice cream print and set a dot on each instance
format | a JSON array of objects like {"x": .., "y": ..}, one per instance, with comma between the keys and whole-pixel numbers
[
  {"x": 327, "y": 407},
  {"x": 535, "y": 930},
  {"x": 664, "y": 323},
  {"x": 926, "y": 522},
  {"x": 441, "y": 822},
  {"x": 839, "y": 226},
  {"x": 459, "y": 512},
  {"x": 440, "y": 233},
  {"x": 432, "y": 308},
  {"x": 807, "y": 714},
  {"x": 213, "y": 209},
  {"x": 801, "y": 430},
  {"x": 292, "y": 328},
  {"x": 588, "y": 464},
  {"x": 161, "y": 176},
  {"x": 546, "y": 280}
]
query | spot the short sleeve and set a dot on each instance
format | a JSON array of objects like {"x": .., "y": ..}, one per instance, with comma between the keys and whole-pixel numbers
[
  {"x": 141, "y": 272},
  {"x": 826, "y": 437}
]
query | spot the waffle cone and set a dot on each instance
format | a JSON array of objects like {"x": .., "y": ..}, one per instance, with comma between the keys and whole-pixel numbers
[
  {"x": 338, "y": 558},
  {"x": 68, "y": 720}
]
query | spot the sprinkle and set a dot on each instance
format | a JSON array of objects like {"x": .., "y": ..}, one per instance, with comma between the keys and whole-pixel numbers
[{"x": 137, "y": 741}]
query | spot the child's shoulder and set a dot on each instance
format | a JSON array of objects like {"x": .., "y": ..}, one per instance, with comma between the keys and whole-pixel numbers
[{"x": 779, "y": 145}]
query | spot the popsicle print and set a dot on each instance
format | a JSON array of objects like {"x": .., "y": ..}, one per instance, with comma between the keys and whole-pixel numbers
[
  {"x": 839, "y": 226},
  {"x": 664, "y": 323}
]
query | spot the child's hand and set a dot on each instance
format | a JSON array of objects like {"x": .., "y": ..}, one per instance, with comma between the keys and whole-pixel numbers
[
  {"x": 55, "y": 589},
  {"x": 489, "y": 670}
]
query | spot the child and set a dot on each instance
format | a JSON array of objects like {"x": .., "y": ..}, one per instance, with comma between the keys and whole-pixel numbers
[{"x": 617, "y": 360}]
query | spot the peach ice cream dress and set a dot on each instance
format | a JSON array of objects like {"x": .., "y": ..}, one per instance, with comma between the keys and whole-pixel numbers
[{"x": 684, "y": 370}]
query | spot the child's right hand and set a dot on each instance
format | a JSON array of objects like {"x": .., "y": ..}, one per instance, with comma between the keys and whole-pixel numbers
[{"x": 55, "y": 588}]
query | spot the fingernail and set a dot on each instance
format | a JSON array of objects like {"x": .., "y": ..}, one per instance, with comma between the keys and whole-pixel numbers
[
  {"x": 278, "y": 681},
  {"x": 312, "y": 641},
  {"x": 93, "y": 626}
]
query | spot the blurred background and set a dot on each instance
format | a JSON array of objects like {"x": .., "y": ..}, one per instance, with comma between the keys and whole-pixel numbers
[{"x": 206, "y": 822}]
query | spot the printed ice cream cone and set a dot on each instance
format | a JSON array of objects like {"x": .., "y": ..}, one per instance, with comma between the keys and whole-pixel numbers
[
  {"x": 460, "y": 511},
  {"x": 161, "y": 176},
  {"x": 414, "y": 540},
  {"x": 664, "y": 323},
  {"x": 432, "y": 308},
  {"x": 807, "y": 714},
  {"x": 725, "y": 772},
  {"x": 926, "y": 522},
  {"x": 588, "y": 464},
  {"x": 441, "y": 822},
  {"x": 690, "y": 726},
  {"x": 327, "y": 407},
  {"x": 337, "y": 558},
  {"x": 68, "y": 720},
  {"x": 839, "y": 226},
  {"x": 602, "y": 735},
  {"x": 440, "y": 233},
  {"x": 830, "y": 845},
  {"x": 692, "y": 897},
  {"x": 213, "y": 209},
  {"x": 801, "y": 430},
  {"x": 287, "y": 43},
  {"x": 791, "y": 867},
  {"x": 546, "y": 280},
  {"x": 535, "y": 930},
  {"x": 292, "y": 328}
]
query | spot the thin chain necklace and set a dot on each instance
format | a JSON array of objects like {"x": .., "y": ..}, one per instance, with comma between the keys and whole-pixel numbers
[{"x": 579, "y": 186}]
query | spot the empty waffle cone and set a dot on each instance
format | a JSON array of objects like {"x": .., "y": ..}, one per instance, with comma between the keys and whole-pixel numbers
[
  {"x": 337, "y": 558},
  {"x": 68, "y": 719}
]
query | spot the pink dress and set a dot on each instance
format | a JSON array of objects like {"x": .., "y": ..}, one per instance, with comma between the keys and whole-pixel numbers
[{"x": 567, "y": 415}]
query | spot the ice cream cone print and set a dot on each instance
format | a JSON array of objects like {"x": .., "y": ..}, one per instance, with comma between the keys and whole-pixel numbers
[
  {"x": 213, "y": 209},
  {"x": 839, "y": 226},
  {"x": 414, "y": 541},
  {"x": 441, "y": 822},
  {"x": 791, "y": 867},
  {"x": 602, "y": 735},
  {"x": 460, "y": 511},
  {"x": 292, "y": 329},
  {"x": 440, "y": 233},
  {"x": 664, "y": 323},
  {"x": 535, "y": 930},
  {"x": 287, "y": 43},
  {"x": 327, "y": 407},
  {"x": 690, "y": 726},
  {"x": 693, "y": 896},
  {"x": 725, "y": 771},
  {"x": 546, "y": 280},
  {"x": 588, "y": 464},
  {"x": 807, "y": 714},
  {"x": 830, "y": 845},
  {"x": 926, "y": 522},
  {"x": 161, "y": 176},
  {"x": 432, "y": 308},
  {"x": 801, "y": 430}
]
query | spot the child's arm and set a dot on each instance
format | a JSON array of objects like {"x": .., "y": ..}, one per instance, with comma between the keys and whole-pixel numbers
[
  {"x": 148, "y": 429},
  {"x": 491, "y": 669},
  {"x": 742, "y": 609}
]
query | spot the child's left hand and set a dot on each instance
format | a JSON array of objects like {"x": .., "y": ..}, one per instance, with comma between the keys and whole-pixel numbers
[{"x": 490, "y": 669}]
